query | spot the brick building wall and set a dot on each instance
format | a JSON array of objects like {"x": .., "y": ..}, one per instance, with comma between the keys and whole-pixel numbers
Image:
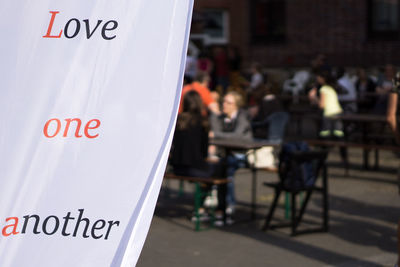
[{"x": 337, "y": 28}]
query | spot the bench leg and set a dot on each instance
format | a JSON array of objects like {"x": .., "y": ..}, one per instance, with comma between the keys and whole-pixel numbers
[
  {"x": 287, "y": 206},
  {"x": 293, "y": 213},
  {"x": 197, "y": 205},
  {"x": 366, "y": 156},
  {"x": 181, "y": 188},
  {"x": 376, "y": 159}
]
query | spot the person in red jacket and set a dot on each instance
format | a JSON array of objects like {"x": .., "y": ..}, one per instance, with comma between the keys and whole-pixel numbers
[{"x": 200, "y": 85}]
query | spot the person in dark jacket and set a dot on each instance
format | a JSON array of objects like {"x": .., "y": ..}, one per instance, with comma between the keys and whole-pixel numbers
[
  {"x": 190, "y": 143},
  {"x": 364, "y": 86},
  {"x": 188, "y": 155}
]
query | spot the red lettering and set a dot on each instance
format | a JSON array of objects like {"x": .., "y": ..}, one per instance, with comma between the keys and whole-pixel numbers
[
  {"x": 48, "y": 34},
  {"x": 13, "y": 226},
  {"x": 88, "y": 127},
  {"x": 46, "y": 128},
  {"x": 78, "y": 127}
]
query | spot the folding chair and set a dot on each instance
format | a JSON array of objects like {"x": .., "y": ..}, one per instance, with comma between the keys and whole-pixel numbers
[{"x": 317, "y": 158}]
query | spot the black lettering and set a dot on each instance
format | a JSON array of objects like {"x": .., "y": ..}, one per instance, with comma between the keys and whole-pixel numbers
[
  {"x": 88, "y": 32},
  {"x": 110, "y": 224},
  {"x": 103, "y": 223},
  {"x": 44, "y": 226},
  {"x": 52, "y": 223},
  {"x": 77, "y": 29},
  {"x": 66, "y": 219},
  {"x": 26, "y": 219},
  {"x": 79, "y": 220},
  {"x": 105, "y": 28}
]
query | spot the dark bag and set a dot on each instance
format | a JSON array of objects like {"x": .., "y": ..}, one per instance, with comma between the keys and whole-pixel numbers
[{"x": 295, "y": 174}]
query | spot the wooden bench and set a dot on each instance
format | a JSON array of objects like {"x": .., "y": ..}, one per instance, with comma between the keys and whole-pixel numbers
[
  {"x": 198, "y": 194},
  {"x": 269, "y": 169},
  {"x": 365, "y": 147},
  {"x": 211, "y": 181}
]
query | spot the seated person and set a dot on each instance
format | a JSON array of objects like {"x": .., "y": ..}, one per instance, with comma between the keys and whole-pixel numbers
[
  {"x": 383, "y": 89},
  {"x": 257, "y": 78},
  {"x": 270, "y": 119},
  {"x": 348, "y": 97},
  {"x": 200, "y": 85},
  {"x": 255, "y": 88},
  {"x": 233, "y": 123},
  {"x": 190, "y": 143},
  {"x": 364, "y": 86}
]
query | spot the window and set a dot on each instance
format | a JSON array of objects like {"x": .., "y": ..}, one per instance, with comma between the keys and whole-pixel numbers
[
  {"x": 211, "y": 26},
  {"x": 383, "y": 19},
  {"x": 268, "y": 20}
]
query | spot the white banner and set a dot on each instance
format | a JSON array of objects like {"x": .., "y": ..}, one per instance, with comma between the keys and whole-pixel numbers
[{"x": 89, "y": 96}]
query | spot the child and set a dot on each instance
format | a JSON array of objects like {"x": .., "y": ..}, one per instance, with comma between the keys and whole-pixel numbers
[
  {"x": 332, "y": 127},
  {"x": 329, "y": 103}
]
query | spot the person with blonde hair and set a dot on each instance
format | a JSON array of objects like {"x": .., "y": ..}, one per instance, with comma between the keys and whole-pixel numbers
[{"x": 232, "y": 124}]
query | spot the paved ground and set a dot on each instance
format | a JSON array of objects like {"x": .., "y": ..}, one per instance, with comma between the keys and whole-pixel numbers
[{"x": 364, "y": 209}]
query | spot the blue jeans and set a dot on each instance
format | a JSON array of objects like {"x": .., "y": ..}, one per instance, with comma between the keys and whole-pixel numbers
[
  {"x": 234, "y": 162},
  {"x": 277, "y": 122}
]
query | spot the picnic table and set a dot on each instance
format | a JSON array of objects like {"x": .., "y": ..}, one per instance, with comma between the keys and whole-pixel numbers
[
  {"x": 230, "y": 145},
  {"x": 367, "y": 137}
]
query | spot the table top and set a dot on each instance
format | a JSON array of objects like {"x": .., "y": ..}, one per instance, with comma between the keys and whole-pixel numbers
[
  {"x": 362, "y": 117},
  {"x": 240, "y": 144},
  {"x": 292, "y": 97}
]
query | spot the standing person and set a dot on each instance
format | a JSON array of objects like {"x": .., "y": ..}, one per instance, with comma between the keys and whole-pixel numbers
[
  {"x": 392, "y": 120},
  {"x": 233, "y": 124},
  {"x": 328, "y": 101}
]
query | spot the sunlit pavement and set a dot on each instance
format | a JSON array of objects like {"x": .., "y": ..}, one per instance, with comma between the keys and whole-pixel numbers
[{"x": 364, "y": 210}]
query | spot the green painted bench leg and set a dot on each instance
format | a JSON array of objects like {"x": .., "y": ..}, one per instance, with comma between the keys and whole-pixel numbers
[
  {"x": 287, "y": 206},
  {"x": 181, "y": 188}
]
